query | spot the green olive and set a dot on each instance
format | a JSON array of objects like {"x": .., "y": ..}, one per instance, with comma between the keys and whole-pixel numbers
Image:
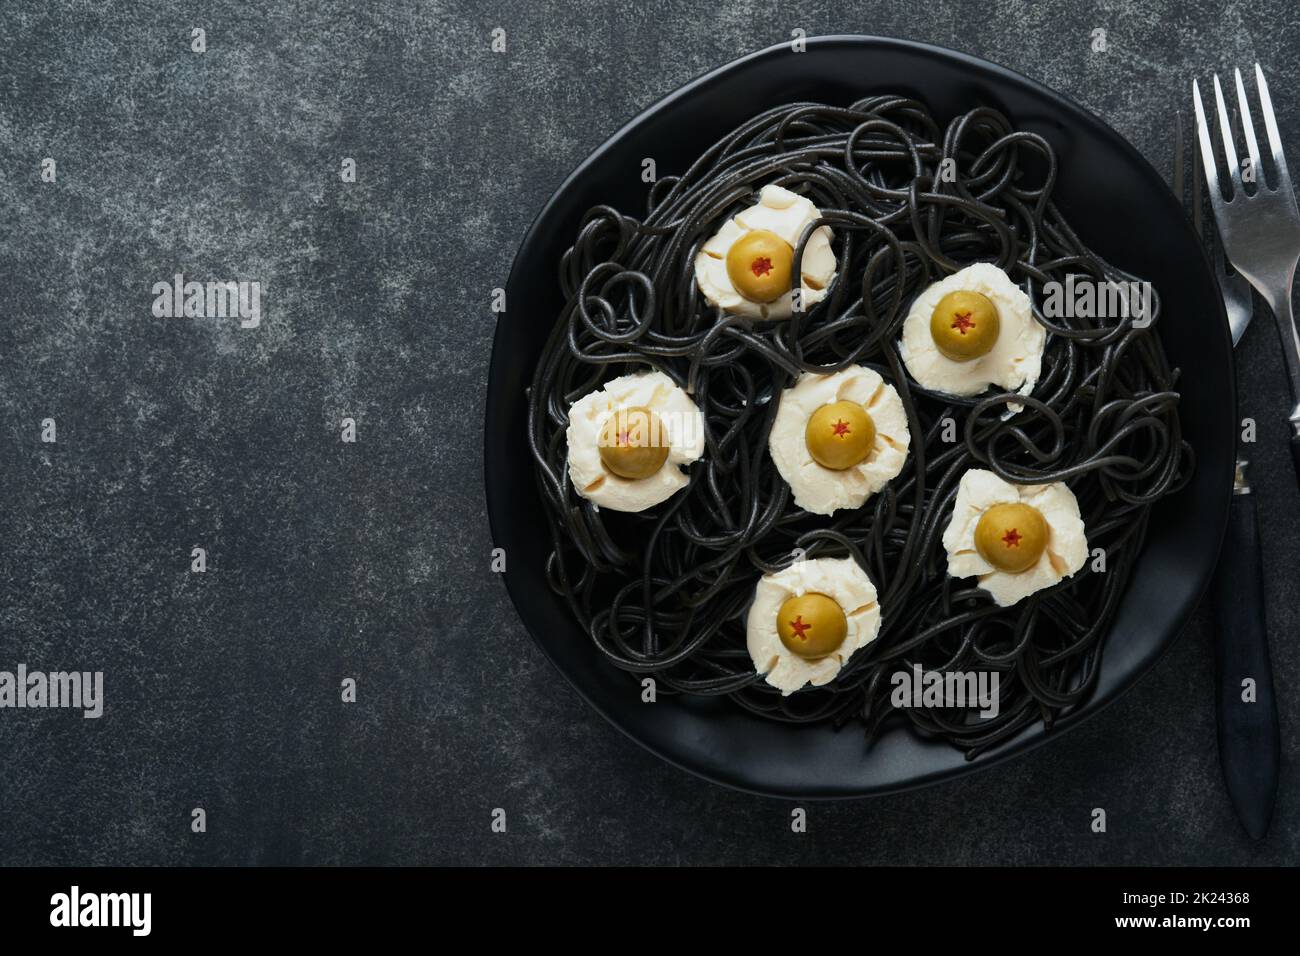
[
  {"x": 758, "y": 264},
  {"x": 964, "y": 325},
  {"x": 812, "y": 625},
  {"x": 633, "y": 443},
  {"x": 1011, "y": 537},
  {"x": 840, "y": 435}
]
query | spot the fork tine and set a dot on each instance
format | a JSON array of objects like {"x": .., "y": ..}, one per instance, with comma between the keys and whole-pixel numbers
[
  {"x": 1270, "y": 127},
  {"x": 1225, "y": 132},
  {"x": 1216, "y": 247},
  {"x": 1248, "y": 125},
  {"x": 1207, "y": 152}
]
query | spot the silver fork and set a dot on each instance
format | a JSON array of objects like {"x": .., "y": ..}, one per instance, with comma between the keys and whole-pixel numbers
[
  {"x": 1260, "y": 228},
  {"x": 1248, "y": 734}
]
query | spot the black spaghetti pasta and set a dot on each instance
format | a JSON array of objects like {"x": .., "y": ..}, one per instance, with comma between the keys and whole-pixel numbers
[{"x": 664, "y": 592}]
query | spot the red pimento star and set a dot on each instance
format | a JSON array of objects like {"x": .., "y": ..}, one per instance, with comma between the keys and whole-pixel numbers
[
  {"x": 1012, "y": 538},
  {"x": 798, "y": 626},
  {"x": 840, "y": 428},
  {"x": 761, "y": 266},
  {"x": 962, "y": 322}
]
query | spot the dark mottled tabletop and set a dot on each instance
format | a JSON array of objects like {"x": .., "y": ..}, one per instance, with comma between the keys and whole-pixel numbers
[{"x": 127, "y": 156}]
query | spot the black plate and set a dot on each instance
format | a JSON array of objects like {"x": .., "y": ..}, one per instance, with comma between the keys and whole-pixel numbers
[{"x": 1118, "y": 204}]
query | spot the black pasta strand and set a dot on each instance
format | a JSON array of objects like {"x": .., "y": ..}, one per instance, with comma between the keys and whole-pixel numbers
[{"x": 665, "y": 592}]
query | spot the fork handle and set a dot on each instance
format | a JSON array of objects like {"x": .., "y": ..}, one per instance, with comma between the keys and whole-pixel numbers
[
  {"x": 1295, "y": 448},
  {"x": 1249, "y": 737}
]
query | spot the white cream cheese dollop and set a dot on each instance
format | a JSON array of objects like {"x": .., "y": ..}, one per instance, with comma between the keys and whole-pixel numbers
[
  {"x": 784, "y": 213},
  {"x": 1013, "y": 364},
  {"x": 682, "y": 424},
  {"x": 1067, "y": 545},
  {"x": 822, "y": 490},
  {"x": 840, "y": 579}
]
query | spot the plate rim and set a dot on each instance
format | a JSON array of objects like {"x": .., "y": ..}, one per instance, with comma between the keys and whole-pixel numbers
[{"x": 1033, "y": 736}]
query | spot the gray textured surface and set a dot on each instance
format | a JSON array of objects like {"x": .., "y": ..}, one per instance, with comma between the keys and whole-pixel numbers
[{"x": 370, "y": 560}]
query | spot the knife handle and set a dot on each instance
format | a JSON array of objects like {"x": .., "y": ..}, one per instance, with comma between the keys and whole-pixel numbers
[{"x": 1249, "y": 740}]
